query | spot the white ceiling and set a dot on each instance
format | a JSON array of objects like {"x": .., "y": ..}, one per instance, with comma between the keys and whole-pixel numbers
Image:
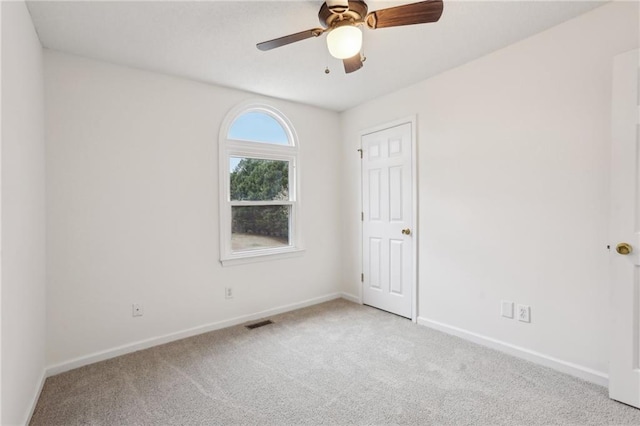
[{"x": 214, "y": 42}]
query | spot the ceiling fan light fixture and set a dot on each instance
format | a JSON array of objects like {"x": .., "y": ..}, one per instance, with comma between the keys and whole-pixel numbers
[
  {"x": 341, "y": 21},
  {"x": 344, "y": 41}
]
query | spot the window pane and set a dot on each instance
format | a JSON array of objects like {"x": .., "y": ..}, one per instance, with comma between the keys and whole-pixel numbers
[
  {"x": 259, "y": 227},
  {"x": 258, "y": 127},
  {"x": 254, "y": 179}
]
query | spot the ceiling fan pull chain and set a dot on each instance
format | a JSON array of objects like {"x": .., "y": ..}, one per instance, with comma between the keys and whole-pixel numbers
[
  {"x": 326, "y": 61},
  {"x": 362, "y": 57}
]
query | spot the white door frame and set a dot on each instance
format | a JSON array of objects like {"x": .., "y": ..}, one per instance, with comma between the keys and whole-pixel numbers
[{"x": 412, "y": 119}]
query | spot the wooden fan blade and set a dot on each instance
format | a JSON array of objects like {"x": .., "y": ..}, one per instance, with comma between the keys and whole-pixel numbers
[
  {"x": 352, "y": 64},
  {"x": 291, "y": 38},
  {"x": 409, "y": 14}
]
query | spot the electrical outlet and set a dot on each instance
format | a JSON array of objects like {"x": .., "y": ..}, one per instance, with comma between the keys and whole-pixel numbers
[
  {"x": 138, "y": 310},
  {"x": 506, "y": 309},
  {"x": 524, "y": 313},
  {"x": 228, "y": 293}
]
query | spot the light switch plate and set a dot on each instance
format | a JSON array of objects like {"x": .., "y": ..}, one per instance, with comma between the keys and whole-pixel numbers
[{"x": 506, "y": 309}]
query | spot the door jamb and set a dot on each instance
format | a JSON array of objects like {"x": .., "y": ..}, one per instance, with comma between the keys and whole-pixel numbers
[{"x": 412, "y": 119}]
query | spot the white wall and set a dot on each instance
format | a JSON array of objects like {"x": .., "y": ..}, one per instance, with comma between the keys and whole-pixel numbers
[
  {"x": 513, "y": 153},
  {"x": 132, "y": 208},
  {"x": 23, "y": 215}
]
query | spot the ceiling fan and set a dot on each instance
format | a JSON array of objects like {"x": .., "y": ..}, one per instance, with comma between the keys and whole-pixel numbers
[{"x": 341, "y": 19}]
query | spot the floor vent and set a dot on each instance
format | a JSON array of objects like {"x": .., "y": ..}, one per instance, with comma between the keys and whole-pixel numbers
[{"x": 259, "y": 324}]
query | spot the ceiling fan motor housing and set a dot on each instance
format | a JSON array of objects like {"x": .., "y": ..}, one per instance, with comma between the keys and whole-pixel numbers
[
  {"x": 338, "y": 6},
  {"x": 329, "y": 17}
]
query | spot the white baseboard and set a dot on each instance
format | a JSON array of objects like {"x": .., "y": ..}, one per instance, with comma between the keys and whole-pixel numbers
[
  {"x": 155, "y": 341},
  {"x": 351, "y": 298},
  {"x": 576, "y": 370},
  {"x": 36, "y": 397}
]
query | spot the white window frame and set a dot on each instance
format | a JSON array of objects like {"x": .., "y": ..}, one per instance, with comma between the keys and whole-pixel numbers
[{"x": 228, "y": 148}]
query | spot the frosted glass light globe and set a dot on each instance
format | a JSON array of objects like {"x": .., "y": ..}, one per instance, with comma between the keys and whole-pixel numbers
[{"x": 344, "y": 42}]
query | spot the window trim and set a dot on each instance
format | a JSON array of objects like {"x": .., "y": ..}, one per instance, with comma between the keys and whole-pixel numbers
[{"x": 262, "y": 150}]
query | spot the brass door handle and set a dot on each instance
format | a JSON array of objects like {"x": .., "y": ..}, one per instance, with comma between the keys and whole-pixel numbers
[
  {"x": 624, "y": 248},
  {"x": 406, "y": 231}
]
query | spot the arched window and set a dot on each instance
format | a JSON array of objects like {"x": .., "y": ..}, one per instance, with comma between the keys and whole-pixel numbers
[
  {"x": 259, "y": 126},
  {"x": 259, "y": 191}
]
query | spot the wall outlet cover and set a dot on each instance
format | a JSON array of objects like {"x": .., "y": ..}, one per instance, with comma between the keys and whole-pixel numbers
[
  {"x": 524, "y": 313},
  {"x": 506, "y": 309}
]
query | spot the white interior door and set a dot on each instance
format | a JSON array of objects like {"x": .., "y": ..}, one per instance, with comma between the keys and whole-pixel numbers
[
  {"x": 387, "y": 196},
  {"x": 624, "y": 366}
]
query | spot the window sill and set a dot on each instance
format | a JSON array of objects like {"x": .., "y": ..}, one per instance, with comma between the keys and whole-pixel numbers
[{"x": 243, "y": 258}]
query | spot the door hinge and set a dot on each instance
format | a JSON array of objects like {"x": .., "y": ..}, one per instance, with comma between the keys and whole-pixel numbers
[
  {"x": 362, "y": 277},
  {"x": 362, "y": 216},
  {"x": 360, "y": 151}
]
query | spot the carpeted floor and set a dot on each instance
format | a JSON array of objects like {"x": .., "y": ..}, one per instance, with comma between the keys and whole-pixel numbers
[{"x": 334, "y": 363}]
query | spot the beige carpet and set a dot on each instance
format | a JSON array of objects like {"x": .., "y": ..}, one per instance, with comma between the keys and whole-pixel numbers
[{"x": 334, "y": 363}]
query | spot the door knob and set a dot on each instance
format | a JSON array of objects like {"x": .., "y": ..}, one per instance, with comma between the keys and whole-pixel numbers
[
  {"x": 406, "y": 231},
  {"x": 624, "y": 248}
]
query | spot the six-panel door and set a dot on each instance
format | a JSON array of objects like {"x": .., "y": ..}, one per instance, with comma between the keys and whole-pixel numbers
[{"x": 387, "y": 228}]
